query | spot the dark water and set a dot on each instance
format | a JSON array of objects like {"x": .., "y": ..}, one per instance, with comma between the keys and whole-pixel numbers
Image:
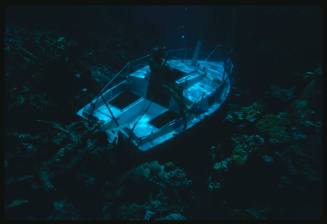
[{"x": 47, "y": 46}]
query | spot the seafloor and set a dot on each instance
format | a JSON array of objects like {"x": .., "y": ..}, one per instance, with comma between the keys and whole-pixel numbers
[{"x": 260, "y": 159}]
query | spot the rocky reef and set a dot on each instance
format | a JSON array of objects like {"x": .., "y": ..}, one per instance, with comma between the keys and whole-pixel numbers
[
  {"x": 150, "y": 191},
  {"x": 263, "y": 161},
  {"x": 280, "y": 144}
]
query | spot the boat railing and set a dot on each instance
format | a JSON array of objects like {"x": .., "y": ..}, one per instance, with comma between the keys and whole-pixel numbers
[
  {"x": 135, "y": 64},
  {"x": 129, "y": 67}
]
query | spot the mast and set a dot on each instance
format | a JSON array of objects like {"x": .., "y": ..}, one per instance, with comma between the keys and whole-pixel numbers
[{"x": 196, "y": 52}]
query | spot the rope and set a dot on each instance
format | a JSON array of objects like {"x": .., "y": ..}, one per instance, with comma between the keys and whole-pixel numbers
[
  {"x": 211, "y": 53},
  {"x": 117, "y": 74},
  {"x": 111, "y": 114}
]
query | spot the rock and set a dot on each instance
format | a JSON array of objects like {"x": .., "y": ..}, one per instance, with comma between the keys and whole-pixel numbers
[
  {"x": 17, "y": 202},
  {"x": 222, "y": 165},
  {"x": 64, "y": 210},
  {"x": 159, "y": 174},
  {"x": 275, "y": 127},
  {"x": 215, "y": 153},
  {"x": 159, "y": 188},
  {"x": 46, "y": 181},
  {"x": 247, "y": 113},
  {"x": 255, "y": 213},
  {"x": 131, "y": 211},
  {"x": 87, "y": 180},
  {"x": 297, "y": 134},
  {"x": 244, "y": 145},
  {"x": 106, "y": 210},
  {"x": 249, "y": 214},
  {"x": 310, "y": 75},
  {"x": 148, "y": 214},
  {"x": 282, "y": 94},
  {"x": 269, "y": 160},
  {"x": 214, "y": 185},
  {"x": 173, "y": 216}
]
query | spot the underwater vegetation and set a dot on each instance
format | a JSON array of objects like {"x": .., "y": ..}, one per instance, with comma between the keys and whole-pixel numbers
[
  {"x": 263, "y": 139},
  {"x": 274, "y": 127},
  {"x": 246, "y": 113},
  {"x": 150, "y": 191},
  {"x": 264, "y": 161}
]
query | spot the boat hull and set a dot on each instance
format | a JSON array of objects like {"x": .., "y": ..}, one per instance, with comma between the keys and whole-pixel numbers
[{"x": 205, "y": 85}]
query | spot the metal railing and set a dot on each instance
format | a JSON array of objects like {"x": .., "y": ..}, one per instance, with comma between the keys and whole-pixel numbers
[{"x": 138, "y": 63}]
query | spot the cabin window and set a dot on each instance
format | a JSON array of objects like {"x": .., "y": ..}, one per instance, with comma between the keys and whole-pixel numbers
[
  {"x": 124, "y": 99},
  {"x": 164, "y": 118}
]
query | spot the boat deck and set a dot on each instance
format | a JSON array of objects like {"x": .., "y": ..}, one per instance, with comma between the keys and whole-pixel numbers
[{"x": 148, "y": 122}]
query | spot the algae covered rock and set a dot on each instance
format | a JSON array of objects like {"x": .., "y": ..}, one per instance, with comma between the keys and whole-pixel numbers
[
  {"x": 282, "y": 94},
  {"x": 275, "y": 127},
  {"x": 251, "y": 213},
  {"x": 25, "y": 98},
  {"x": 249, "y": 113},
  {"x": 244, "y": 145},
  {"x": 150, "y": 189},
  {"x": 305, "y": 116},
  {"x": 213, "y": 184},
  {"x": 313, "y": 74},
  {"x": 156, "y": 173},
  {"x": 17, "y": 203},
  {"x": 173, "y": 216},
  {"x": 131, "y": 211},
  {"x": 64, "y": 210},
  {"x": 222, "y": 165}
]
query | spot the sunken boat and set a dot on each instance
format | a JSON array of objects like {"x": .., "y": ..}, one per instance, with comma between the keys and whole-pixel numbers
[{"x": 125, "y": 110}]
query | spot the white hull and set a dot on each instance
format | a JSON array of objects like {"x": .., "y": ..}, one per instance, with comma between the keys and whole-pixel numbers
[{"x": 146, "y": 123}]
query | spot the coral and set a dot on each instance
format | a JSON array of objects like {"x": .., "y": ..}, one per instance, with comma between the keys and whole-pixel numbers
[
  {"x": 24, "y": 97},
  {"x": 314, "y": 74},
  {"x": 305, "y": 116},
  {"x": 131, "y": 211},
  {"x": 64, "y": 210},
  {"x": 88, "y": 180},
  {"x": 156, "y": 188},
  {"x": 161, "y": 175},
  {"x": 213, "y": 185},
  {"x": 173, "y": 216},
  {"x": 299, "y": 106},
  {"x": 247, "y": 113},
  {"x": 100, "y": 74},
  {"x": 250, "y": 213},
  {"x": 275, "y": 127},
  {"x": 297, "y": 134},
  {"x": 269, "y": 160},
  {"x": 17, "y": 202},
  {"x": 45, "y": 45},
  {"x": 244, "y": 145},
  {"x": 222, "y": 165},
  {"x": 283, "y": 94},
  {"x": 106, "y": 210},
  {"x": 46, "y": 181}
]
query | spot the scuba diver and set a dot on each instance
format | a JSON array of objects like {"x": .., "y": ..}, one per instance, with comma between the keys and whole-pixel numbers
[
  {"x": 162, "y": 81},
  {"x": 159, "y": 73}
]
